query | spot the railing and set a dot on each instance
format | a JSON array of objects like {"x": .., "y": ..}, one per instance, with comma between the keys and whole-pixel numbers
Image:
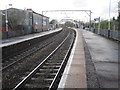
[{"x": 112, "y": 34}]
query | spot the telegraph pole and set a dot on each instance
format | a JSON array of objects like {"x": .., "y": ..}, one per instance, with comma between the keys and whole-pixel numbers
[
  {"x": 42, "y": 21},
  {"x": 109, "y": 20},
  {"x": 109, "y": 15},
  {"x": 90, "y": 21},
  {"x": 6, "y": 21}
]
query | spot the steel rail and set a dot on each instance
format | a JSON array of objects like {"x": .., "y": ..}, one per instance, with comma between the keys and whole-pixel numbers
[
  {"x": 19, "y": 85},
  {"x": 62, "y": 66},
  {"x": 28, "y": 54}
]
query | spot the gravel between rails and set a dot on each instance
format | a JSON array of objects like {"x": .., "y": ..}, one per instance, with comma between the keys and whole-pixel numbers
[
  {"x": 12, "y": 75},
  {"x": 44, "y": 40},
  {"x": 50, "y": 71}
]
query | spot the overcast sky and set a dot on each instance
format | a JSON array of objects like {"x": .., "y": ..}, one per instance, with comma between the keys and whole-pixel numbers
[{"x": 98, "y": 7}]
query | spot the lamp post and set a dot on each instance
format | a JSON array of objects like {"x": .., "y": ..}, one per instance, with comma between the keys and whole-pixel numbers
[
  {"x": 109, "y": 15},
  {"x": 99, "y": 27},
  {"x": 87, "y": 24},
  {"x": 6, "y": 21},
  {"x": 109, "y": 20},
  {"x": 90, "y": 21}
]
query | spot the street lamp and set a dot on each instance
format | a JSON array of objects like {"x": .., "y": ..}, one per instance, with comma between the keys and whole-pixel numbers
[
  {"x": 109, "y": 15},
  {"x": 109, "y": 20},
  {"x": 6, "y": 21},
  {"x": 86, "y": 22}
]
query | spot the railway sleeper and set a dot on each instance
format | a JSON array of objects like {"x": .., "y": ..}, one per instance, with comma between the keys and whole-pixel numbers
[
  {"x": 41, "y": 81},
  {"x": 48, "y": 70},
  {"x": 34, "y": 82},
  {"x": 51, "y": 67},
  {"x": 45, "y": 73},
  {"x": 37, "y": 86},
  {"x": 53, "y": 63}
]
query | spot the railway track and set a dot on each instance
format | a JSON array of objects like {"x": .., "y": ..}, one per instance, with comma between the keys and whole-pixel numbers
[
  {"x": 25, "y": 54},
  {"x": 7, "y": 62},
  {"x": 47, "y": 74},
  {"x": 12, "y": 75}
]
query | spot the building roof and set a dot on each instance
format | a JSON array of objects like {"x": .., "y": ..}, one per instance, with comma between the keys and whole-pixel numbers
[
  {"x": 40, "y": 14},
  {"x": 25, "y": 10}
]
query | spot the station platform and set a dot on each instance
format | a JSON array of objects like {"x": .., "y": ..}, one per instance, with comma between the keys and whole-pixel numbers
[
  {"x": 74, "y": 75},
  {"x": 99, "y": 70},
  {"x": 14, "y": 40},
  {"x": 104, "y": 55}
]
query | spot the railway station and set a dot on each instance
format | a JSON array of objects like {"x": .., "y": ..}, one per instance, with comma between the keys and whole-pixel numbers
[{"x": 76, "y": 51}]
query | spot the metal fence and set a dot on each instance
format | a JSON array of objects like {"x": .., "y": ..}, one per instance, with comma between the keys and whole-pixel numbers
[{"x": 112, "y": 34}]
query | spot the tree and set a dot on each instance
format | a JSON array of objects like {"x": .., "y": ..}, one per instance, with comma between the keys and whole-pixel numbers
[
  {"x": 104, "y": 24},
  {"x": 69, "y": 24},
  {"x": 118, "y": 20},
  {"x": 54, "y": 21}
]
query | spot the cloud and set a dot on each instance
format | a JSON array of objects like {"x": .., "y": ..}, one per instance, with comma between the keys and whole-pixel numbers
[
  {"x": 98, "y": 7},
  {"x": 80, "y": 3}
]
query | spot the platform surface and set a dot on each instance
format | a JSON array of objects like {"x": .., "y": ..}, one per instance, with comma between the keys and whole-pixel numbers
[
  {"x": 104, "y": 54},
  {"x": 74, "y": 75},
  {"x": 19, "y": 39}
]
